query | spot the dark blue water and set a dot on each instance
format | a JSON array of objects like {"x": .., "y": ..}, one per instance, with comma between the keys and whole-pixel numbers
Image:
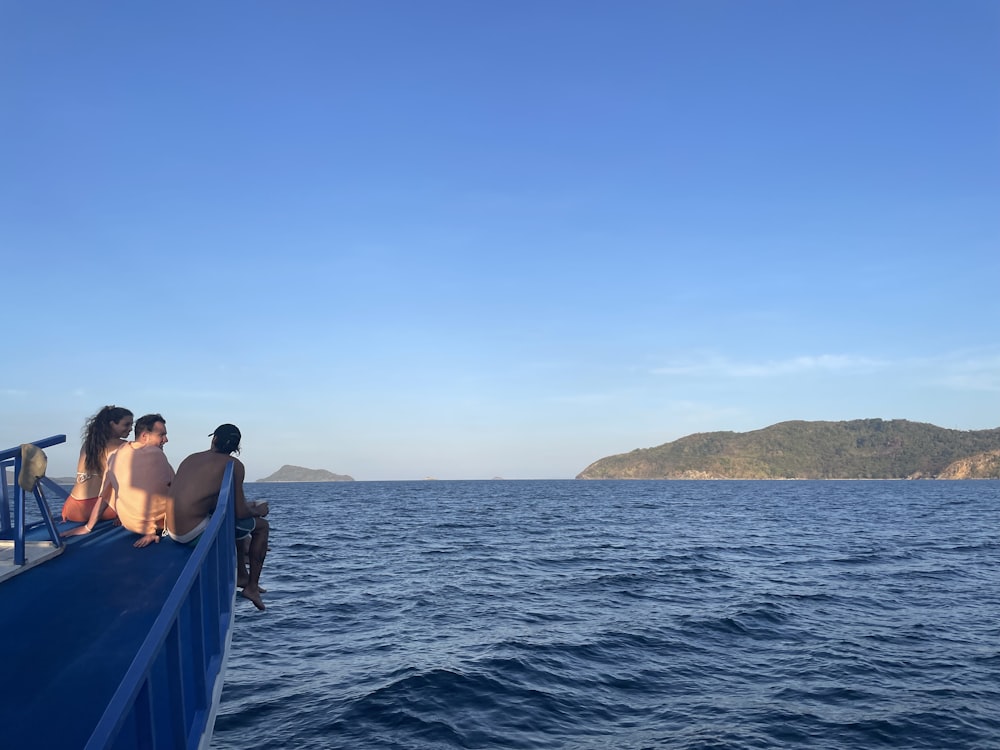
[{"x": 598, "y": 615}]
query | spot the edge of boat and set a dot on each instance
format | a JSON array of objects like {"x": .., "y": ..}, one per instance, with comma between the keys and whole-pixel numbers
[{"x": 159, "y": 638}]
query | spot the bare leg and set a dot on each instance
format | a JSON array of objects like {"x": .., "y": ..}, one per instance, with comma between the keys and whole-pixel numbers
[
  {"x": 258, "y": 550},
  {"x": 242, "y": 553}
]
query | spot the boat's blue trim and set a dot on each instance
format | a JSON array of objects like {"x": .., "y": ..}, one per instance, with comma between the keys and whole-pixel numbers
[
  {"x": 12, "y": 456},
  {"x": 169, "y": 695}
]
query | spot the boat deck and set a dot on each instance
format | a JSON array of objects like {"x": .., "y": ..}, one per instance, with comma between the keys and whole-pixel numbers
[
  {"x": 35, "y": 553},
  {"x": 70, "y": 627}
]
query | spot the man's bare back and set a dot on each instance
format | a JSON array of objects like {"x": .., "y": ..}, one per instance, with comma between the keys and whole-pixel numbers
[
  {"x": 194, "y": 495},
  {"x": 140, "y": 475},
  {"x": 195, "y": 490}
]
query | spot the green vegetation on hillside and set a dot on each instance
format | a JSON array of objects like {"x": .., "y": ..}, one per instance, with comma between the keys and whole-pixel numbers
[{"x": 859, "y": 449}]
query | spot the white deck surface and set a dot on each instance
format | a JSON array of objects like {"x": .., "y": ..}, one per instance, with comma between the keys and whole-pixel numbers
[{"x": 35, "y": 553}]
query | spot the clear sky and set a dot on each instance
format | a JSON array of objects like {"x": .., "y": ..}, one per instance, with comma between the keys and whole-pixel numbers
[{"x": 398, "y": 239}]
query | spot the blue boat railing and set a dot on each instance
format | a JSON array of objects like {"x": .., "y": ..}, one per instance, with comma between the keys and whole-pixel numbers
[
  {"x": 11, "y": 457},
  {"x": 168, "y": 697}
]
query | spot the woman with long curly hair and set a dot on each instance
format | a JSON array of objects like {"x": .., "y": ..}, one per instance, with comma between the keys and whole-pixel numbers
[{"x": 103, "y": 434}]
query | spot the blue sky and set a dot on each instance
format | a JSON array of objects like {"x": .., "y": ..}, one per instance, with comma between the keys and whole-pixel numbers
[{"x": 470, "y": 239}]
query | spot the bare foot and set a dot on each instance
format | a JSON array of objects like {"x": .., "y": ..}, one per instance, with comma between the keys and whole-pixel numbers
[
  {"x": 241, "y": 583},
  {"x": 254, "y": 596}
]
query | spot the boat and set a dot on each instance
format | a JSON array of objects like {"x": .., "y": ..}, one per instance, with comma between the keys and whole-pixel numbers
[{"x": 107, "y": 646}]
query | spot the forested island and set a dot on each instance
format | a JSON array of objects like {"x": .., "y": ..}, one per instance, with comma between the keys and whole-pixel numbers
[
  {"x": 289, "y": 473},
  {"x": 858, "y": 449}
]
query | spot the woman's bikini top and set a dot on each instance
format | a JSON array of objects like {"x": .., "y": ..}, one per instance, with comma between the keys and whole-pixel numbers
[{"x": 81, "y": 477}]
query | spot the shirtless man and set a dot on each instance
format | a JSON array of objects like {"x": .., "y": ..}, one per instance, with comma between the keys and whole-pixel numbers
[
  {"x": 195, "y": 493},
  {"x": 136, "y": 483}
]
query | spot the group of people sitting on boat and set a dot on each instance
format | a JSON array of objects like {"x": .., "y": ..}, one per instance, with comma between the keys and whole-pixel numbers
[{"x": 133, "y": 482}]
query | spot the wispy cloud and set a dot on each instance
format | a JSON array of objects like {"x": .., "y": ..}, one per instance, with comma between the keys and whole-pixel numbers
[
  {"x": 727, "y": 368},
  {"x": 585, "y": 399},
  {"x": 965, "y": 372},
  {"x": 959, "y": 370}
]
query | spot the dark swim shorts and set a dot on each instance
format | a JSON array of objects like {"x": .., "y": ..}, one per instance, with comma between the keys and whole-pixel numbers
[{"x": 244, "y": 526}]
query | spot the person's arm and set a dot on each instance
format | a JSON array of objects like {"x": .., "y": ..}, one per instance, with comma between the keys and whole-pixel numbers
[
  {"x": 154, "y": 526},
  {"x": 239, "y": 500},
  {"x": 146, "y": 540},
  {"x": 245, "y": 510}
]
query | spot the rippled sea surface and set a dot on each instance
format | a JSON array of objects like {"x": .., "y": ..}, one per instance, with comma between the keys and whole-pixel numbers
[{"x": 574, "y": 614}]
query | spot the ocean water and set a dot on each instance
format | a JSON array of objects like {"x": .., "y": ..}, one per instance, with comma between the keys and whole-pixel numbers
[{"x": 624, "y": 615}]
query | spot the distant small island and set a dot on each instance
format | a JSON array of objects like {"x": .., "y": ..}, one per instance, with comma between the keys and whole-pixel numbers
[
  {"x": 66, "y": 481},
  {"x": 289, "y": 473}
]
